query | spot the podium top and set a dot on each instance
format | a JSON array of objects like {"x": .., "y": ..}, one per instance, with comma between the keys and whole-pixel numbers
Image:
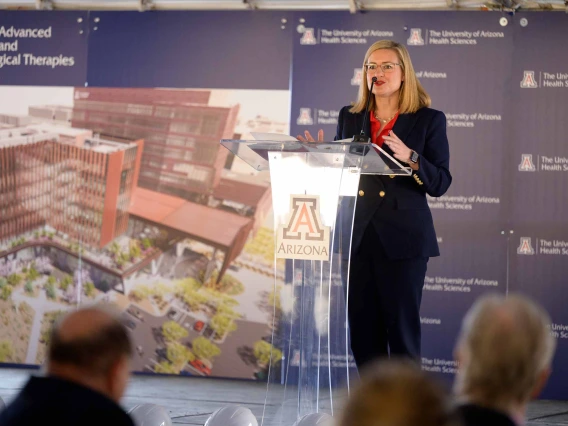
[{"x": 370, "y": 158}]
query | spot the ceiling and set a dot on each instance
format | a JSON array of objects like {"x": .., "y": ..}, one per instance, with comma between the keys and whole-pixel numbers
[{"x": 352, "y": 5}]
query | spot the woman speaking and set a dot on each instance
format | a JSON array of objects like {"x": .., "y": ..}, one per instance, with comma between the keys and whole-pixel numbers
[{"x": 393, "y": 232}]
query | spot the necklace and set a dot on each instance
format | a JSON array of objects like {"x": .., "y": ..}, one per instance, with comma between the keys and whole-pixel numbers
[{"x": 384, "y": 121}]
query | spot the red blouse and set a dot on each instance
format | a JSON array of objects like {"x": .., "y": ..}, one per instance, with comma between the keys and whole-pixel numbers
[{"x": 376, "y": 125}]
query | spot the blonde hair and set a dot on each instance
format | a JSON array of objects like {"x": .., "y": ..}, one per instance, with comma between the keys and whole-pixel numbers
[
  {"x": 396, "y": 393},
  {"x": 506, "y": 345},
  {"x": 412, "y": 95}
]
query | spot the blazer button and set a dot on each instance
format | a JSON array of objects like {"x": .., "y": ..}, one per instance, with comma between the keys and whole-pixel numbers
[
  {"x": 361, "y": 193},
  {"x": 392, "y": 176},
  {"x": 382, "y": 193}
]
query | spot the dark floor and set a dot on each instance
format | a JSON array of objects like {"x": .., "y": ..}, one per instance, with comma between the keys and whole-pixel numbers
[{"x": 190, "y": 401}]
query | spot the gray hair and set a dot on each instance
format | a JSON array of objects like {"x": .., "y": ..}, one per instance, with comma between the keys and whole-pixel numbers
[{"x": 507, "y": 345}]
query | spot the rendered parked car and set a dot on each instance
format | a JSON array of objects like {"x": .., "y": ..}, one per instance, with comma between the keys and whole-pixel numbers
[
  {"x": 202, "y": 365},
  {"x": 198, "y": 326}
]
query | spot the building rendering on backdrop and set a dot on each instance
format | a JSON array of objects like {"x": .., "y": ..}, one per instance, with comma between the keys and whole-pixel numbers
[
  {"x": 64, "y": 178},
  {"x": 182, "y": 155}
]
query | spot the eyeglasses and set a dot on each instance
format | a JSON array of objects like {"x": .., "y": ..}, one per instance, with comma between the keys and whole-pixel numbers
[{"x": 386, "y": 67}]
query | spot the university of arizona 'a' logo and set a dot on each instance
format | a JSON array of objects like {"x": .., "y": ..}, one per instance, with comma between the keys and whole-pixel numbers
[
  {"x": 308, "y": 37},
  {"x": 303, "y": 236},
  {"x": 304, "y": 221},
  {"x": 357, "y": 77},
  {"x": 527, "y": 164},
  {"x": 528, "y": 81},
  {"x": 415, "y": 38},
  {"x": 305, "y": 117},
  {"x": 525, "y": 246},
  {"x": 295, "y": 361}
]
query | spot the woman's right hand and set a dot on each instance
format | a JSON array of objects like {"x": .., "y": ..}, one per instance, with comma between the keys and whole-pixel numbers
[{"x": 309, "y": 138}]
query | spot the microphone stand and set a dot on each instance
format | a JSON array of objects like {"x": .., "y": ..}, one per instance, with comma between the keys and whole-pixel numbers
[{"x": 361, "y": 137}]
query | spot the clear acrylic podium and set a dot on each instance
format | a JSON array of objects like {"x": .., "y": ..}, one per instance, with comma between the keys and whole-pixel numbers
[{"x": 309, "y": 325}]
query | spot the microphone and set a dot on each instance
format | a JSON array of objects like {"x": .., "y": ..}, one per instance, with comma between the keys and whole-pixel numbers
[{"x": 361, "y": 137}]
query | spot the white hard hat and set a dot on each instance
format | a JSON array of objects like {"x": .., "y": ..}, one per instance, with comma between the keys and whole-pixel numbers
[
  {"x": 313, "y": 419},
  {"x": 150, "y": 415},
  {"x": 232, "y": 416}
]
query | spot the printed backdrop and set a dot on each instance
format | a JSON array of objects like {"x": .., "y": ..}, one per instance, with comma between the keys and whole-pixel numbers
[
  {"x": 500, "y": 226},
  {"x": 109, "y": 141}
]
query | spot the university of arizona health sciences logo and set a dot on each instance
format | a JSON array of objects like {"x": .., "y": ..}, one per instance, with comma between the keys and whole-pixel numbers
[
  {"x": 415, "y": 38},
  {"x": 303, "y": 236},
  {"x": 527, "y": 164},
  {"x": 529, "y": 81},
  {"x": 305, "y": 117},
  {"x": 308, "y": 37},
  {"x": 525, "y": 246},
  {"x": 357, "y": 77}
]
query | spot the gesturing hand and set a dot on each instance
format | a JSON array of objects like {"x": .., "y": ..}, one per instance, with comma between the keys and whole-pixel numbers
[
  {"x": 400, "y": 150},
  {"x": 309, "y": 138}
]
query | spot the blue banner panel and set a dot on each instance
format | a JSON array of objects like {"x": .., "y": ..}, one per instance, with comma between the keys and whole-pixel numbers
[
  {"x": 472, "y": 263},
  {"x": 233, "y": 50},
  {"x": 448, "y": 52},
  {"x": 539, "y": 267},
  {"x": 43, "y": 48},
  {"x": 539, "y": 105}
]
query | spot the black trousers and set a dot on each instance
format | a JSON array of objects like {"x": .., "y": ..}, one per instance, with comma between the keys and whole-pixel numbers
[{"x": 384, "y": 302}]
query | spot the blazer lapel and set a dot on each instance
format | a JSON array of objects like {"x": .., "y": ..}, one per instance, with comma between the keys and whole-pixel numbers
[
  {"x": 402, "y": 127},
  {"x": 404, "y": 124}
]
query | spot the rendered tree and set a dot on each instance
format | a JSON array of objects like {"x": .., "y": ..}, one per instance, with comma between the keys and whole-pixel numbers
[
  {"x": 47, "y": 324},
  {"x": 226, "y": 309},
  {"x": 263, "y": 352},
  {"x": 274, "y": 300},
  {"x": 6, "y": 292},
  {"x": 29, "y": 287},
  {"x": 50, "y": 291},
  {"x": 33, "y": 273},
  {"x": 65, "y": 282},
  {"x": 159, "y": 290},
  {"x": 172, "y": 331},
  {"x": 140, "y": 292},
  {"x": 146, "y": 243},
  {"x": 203, "y": 348},
  {"x": 89, "y": 289},
  {"x": 134, "y": 251},
  {"x": 188, "y": 284},
  {"x": 6, "y": 351},
  {"x": 166, "y": 367},
  {"x": 14, "y": 279},
  {"x": 187, "y": 290},
  {"x": 222, "y": 324},
  {"x": 114, "y": 248},
  {"x": 179, "y": 354},
  {"x": 231, "y": 285}
]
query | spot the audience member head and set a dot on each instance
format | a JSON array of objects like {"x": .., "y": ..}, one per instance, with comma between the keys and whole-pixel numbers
[
  {"x": 505, "y": 352},
  {"x": 91, "y": 346},
  {"x": 396, "y": 393}
]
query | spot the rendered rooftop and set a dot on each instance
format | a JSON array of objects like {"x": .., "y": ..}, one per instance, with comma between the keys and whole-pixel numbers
[{"x": 34, "y": 133}]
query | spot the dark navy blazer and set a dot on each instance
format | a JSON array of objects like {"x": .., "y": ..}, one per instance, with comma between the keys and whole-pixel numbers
[{"x": 401, "y": 217}]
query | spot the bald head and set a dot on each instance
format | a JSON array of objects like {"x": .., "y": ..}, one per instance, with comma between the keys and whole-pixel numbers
[
  {"x": 396, "y": 393},
  {"x": 83, "y": 323},
  {"x": 504, "y": 347},
  {"x": 92, "y": 339}
]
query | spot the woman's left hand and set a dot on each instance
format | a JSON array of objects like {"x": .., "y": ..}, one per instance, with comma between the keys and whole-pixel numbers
[{"x": 400, "y": 150}]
